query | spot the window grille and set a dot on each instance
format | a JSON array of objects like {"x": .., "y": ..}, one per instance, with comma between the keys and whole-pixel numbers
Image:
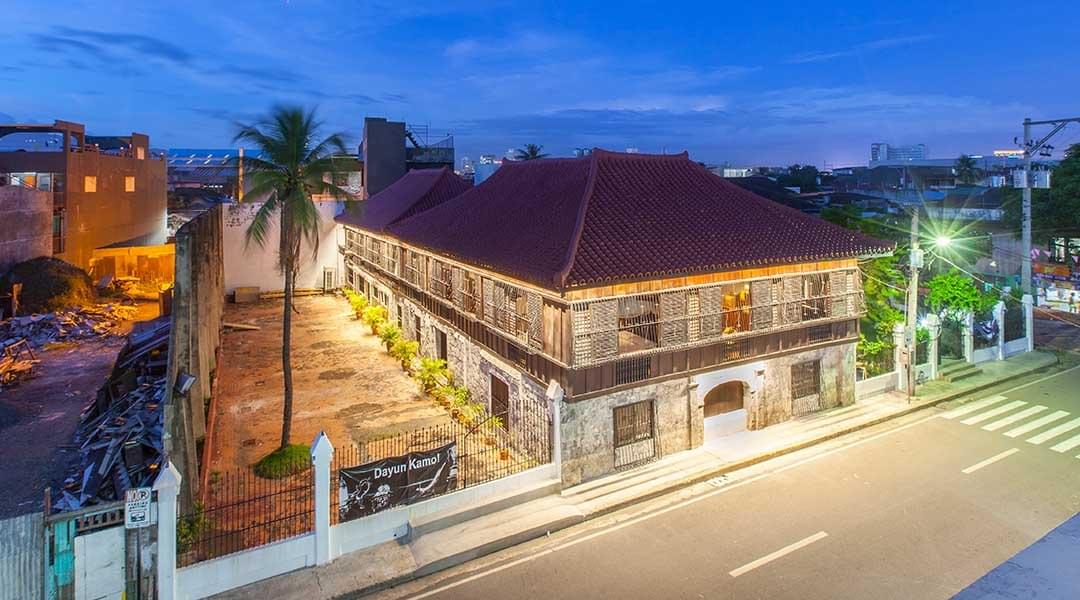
[
  {"x": 805, "y": 379},
  {"x": 630, "y": 370},
  {"x": 633, "y": 423}
]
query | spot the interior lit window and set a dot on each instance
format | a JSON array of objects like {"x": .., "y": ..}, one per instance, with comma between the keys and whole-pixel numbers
[
  {"x": 89, "y": 184},
  {"x": 129, "y": 183}
]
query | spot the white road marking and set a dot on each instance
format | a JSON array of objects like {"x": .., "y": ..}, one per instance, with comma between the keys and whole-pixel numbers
[
  {"x": 1027, "y": 412},
  {"x": 750, "y": 566},
  {"x": 989, "y": 461},
  {"x": 696, "y": 499},
  {"x": 1053, "y": 433},
  {"x": 993, "y": 413},
  {"x": 1067, "y": 445},
  {"x": 972, "y": 407},
  {"x": 1037, "y": 423}
]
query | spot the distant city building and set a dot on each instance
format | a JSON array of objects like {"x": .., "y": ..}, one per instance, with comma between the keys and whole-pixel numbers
[
  {"x": 1009, "y": 153},
  {"x": 886, "y": 152},
  {"x": 579, "y": 152},
  {"x": 101, "y": 191},
  {"x": 392, "y": 148}
]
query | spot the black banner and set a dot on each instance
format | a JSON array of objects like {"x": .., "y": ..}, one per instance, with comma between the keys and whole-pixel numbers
[{"x": 383, "y": 484}]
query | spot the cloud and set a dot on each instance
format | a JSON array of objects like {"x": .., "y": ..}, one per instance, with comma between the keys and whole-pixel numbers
[
  {"x": 130, "y": 42},
  {"x": 519, "y": 46},
  {"x": 815, "y": 57}
]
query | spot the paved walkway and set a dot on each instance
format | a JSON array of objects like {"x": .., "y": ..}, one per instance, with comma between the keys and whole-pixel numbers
[
  {"x": 1046, "y": 570},
  {"x": 395, "y": 562}
]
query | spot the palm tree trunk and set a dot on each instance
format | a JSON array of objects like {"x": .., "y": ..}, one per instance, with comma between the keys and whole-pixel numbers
[{"x": 286, "y": 358}]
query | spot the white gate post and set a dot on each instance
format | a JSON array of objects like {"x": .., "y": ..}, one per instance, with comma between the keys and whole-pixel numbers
[
  {"x": 898, "y": 352},
  {"x": 322, "y": 453},
  {"x": 999, "y": 318},
  {"x": 933, "y": 324},
  {"x": 167, "y": 486},
  {"x": 555, "y": 394},
  {"x": 1029, "y": 321},
  {"x": 968, "y": 335}
]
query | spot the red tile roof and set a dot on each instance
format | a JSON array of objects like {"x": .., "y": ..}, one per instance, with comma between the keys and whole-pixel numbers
[
  {"x": 418, "y": 190},
  {"x": 612, "y": 217}
]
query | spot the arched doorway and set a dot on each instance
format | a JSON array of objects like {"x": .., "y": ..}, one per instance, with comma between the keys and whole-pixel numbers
[{"x": 724, "y": 398}]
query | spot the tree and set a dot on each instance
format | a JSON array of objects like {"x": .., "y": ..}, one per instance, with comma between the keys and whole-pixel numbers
[
  {"x": 957, "y": 293},
  {"x": 1054, "y": 212},
  {"x": 804, "y": 177},
  {"x": 529, "y": 152},
  {"x": 965, "y": 168},
  {"x": 291, "y": 164}
]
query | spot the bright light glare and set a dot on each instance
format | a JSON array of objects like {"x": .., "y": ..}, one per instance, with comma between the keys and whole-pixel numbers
[{"x": 943, "y": 241}]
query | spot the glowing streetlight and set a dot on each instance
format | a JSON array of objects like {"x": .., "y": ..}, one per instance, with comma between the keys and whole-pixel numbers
[{"x": 943, "y": 241}]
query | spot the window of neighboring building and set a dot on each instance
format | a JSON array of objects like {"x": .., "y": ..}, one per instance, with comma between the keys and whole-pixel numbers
[
  {"x": 638, "y": 318},
  {"x": 129, "y": 183},
  {"x": 140, "y": 153},
  {"x": 440, "y": 344},
  {"x": 633, "y": 422},
  {"x": 58, "y": 231},
  {"x": 89, "y": 184},
  {"x": 805, "y": 379},
  {"x": 500, "y": 399}
]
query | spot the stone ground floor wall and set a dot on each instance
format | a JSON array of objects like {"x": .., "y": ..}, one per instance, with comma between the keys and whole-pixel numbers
[
  {"x": 588, "y": 436},
  {"x": 588, "y": 427}
]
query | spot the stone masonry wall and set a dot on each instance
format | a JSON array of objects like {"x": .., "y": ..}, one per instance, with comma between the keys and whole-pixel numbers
[
  {"x": 773, "y": 404},
  {"x": 588, "y": 435}
]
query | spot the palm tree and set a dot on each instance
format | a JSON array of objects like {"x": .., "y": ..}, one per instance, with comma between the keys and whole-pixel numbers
[
  {"x": 291, "y": 164},
  {"x": 965, "y": 168},
  {"x": 530, "y": 152}
]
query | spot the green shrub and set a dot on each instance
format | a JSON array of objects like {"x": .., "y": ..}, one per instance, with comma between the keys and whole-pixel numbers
[
  {"x": 284, "y": 462},
  {"x": 190, "y": 528}
]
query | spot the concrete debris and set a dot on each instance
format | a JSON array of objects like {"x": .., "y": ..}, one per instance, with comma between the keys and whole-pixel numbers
[
  {"x": 119, "y": 438},
  {"x": 65, "y": 325}
]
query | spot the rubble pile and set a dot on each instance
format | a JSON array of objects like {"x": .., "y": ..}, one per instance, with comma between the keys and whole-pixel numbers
[
  {"x": 119, "y": 438},
  {"x": 66, "y": 325}
]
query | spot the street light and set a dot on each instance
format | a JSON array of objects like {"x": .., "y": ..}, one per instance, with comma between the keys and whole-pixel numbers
[{"x": 943, "y": 241}]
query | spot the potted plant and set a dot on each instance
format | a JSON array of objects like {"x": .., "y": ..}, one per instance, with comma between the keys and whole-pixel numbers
[
  {"x": 405, "y": 351},
  {"x": 389, "y": 333},
  {"x": 432, "y": 373},
  {"x": 491, "y": 425},
  {"x": 374, "y": 317},
  {"x": 459, "y": 399},
  {"x": 444, "y": 394},
  {"x": 357, "y": 301}
]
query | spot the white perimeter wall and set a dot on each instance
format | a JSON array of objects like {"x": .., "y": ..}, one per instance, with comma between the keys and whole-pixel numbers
[{"x": 254, "y": 265}]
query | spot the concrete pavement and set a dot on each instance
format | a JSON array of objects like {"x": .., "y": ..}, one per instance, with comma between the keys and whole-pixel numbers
[{"x": 918, "y": 508}]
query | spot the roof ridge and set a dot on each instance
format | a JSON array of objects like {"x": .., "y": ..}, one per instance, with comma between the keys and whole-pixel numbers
[{"x": 579, "y": 225}]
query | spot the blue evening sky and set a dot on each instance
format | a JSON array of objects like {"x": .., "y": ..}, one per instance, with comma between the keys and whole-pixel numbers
[{"x": 744, "y": 82}]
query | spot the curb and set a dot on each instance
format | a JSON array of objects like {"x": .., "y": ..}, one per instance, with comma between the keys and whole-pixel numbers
[{"x": 562, "y": 523}]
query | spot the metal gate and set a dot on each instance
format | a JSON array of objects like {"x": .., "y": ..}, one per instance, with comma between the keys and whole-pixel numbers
[
  {"x": 89, "y": 554},
  {"x": 21, "y": 557}
]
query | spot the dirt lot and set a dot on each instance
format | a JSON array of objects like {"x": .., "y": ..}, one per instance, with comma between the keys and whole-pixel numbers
[
  {"x": 38, "y": 417},
  {"x": 343, "y": 382}
]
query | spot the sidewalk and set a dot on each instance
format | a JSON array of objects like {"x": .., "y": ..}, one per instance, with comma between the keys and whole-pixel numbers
[{"x": 459, "y": 541}]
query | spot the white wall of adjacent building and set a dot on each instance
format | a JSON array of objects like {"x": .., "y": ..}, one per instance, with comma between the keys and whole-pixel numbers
[{"x": 251, "y": 265}]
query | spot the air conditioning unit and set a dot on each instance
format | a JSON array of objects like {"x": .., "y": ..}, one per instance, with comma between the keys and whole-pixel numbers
[{"x": 1040, "y": 179}]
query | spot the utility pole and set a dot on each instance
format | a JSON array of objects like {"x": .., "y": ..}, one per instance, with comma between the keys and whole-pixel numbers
[
  {"x": 1025, "y": 219},
  {"x": 915, "y": 260},
  {"x": 1030, "y": 148}
]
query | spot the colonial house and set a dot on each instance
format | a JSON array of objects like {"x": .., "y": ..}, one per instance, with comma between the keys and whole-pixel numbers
[{"x": 668, "y": 304}]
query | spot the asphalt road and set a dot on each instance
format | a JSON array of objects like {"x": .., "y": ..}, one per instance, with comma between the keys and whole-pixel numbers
[{"x": 918, "y": 508}]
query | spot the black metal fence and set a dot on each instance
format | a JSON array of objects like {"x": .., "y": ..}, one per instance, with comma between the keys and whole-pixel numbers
[
  {"x": 486, "y": 451},
  {"x": 1015, "y": 323},
  {"x": 242, "y": 510}
]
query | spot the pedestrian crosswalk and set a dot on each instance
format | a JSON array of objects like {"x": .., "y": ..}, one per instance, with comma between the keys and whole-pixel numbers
[{"x": 1018, "y": 419}]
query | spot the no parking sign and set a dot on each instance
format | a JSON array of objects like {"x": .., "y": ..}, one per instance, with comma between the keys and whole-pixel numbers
[{"x": 137, "y": 508}]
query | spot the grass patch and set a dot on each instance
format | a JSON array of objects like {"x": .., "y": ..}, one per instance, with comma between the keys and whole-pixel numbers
[{"x": 283, "y": 461}]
